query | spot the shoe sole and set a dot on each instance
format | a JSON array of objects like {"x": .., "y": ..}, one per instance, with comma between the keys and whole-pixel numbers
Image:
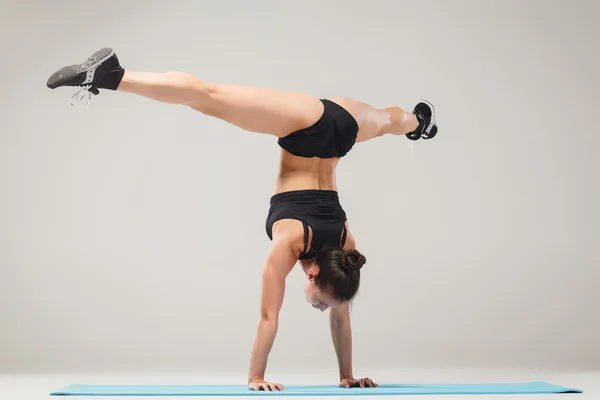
[
  {"x": 432, "y": 123},
  {"x": 74, "y": 72}
]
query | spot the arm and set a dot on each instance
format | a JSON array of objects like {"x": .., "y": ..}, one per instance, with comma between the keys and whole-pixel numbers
[
  {"x": 341, "y": 330},
  {"x": 341, "y": 334},
  {"x": 280, "y": 261}
]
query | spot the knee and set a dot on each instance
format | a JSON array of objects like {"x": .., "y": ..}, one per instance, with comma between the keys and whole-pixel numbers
[
  {"x": 179, "y": 79},
  {"x": 198, "y": 94}
]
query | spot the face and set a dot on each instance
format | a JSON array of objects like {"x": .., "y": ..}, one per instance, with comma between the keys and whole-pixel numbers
[{"x": 319, "y": 299}]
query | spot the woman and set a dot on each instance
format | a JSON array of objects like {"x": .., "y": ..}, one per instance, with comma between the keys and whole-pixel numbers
[{"x": 305, "y": 222}]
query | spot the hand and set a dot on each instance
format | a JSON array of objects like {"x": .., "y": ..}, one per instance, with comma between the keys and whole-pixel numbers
[
  {"x": 362, "y": 382},
  {"x": 259, "y": 384}
]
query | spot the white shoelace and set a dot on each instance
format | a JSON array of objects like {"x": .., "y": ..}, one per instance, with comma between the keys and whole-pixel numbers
[{"x": 83, "y": 93}]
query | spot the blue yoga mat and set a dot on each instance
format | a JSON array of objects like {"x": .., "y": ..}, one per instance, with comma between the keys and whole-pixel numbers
[{"x": 302, "y": 390}]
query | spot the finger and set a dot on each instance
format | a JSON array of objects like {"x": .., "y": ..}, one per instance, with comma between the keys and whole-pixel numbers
[
  {"x": 370, "y": 383},
  {"x": 272, "y": 387},
  {"x": 266, "y": 387},
  {"x": 254, "y": 387},
  {"x": 280, "y": 387},
  {"x": 362, "y": 382}
]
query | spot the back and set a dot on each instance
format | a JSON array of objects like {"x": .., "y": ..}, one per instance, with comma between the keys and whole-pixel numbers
[
  {"x": 299, "y": 173},
  {"x": 319, "y": 211}
]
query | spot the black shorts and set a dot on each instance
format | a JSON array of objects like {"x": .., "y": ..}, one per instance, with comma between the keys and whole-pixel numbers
[{"x": 332, "y": 136}]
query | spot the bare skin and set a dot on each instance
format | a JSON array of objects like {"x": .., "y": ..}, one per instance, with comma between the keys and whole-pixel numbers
[
  {"x": 270, "y": 112},
  {"x": 280, "y": 113}
]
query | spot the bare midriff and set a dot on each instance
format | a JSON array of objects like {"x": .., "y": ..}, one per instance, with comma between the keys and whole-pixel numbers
[{"x": 300, "y": 173}]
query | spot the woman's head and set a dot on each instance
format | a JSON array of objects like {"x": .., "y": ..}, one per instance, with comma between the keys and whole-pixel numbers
[{"x": 334, "y": 278}]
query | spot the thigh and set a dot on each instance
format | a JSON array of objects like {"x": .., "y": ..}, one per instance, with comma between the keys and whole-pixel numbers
[
  {"x": 370, "y": 120},
  {"x": 265, "y": 110}
]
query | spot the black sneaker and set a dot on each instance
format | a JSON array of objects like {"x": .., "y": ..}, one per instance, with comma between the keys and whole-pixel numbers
[
  {"x": 100, "y": 71},
  {"x": 425, "y": 114}
]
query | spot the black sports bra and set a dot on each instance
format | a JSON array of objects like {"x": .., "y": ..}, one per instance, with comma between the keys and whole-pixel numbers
[{"x": 318, "y": 209}]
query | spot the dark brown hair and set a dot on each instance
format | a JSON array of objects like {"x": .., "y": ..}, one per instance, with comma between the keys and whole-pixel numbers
[{"x": 339, "y": 270}]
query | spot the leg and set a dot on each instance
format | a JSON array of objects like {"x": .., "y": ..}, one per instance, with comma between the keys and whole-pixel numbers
[
  {"x": 373, "y": 122},
  {"x": 251, "y": 108}
]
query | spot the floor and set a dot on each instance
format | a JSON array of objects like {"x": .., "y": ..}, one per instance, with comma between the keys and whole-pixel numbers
[{"x": 37, "y": 386}]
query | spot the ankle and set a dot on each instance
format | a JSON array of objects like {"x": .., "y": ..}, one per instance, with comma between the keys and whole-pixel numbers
[
  {"x": 412, "y": 123},
  {"x": 112, "y": 80},
  {"x": 401, "y": 122}
]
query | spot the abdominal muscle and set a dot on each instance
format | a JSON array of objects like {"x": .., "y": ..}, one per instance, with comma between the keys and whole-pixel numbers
[{"x": 300, "y": 173}]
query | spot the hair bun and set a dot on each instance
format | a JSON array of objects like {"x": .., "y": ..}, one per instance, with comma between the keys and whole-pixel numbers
[{"x": 353, "y": 260}]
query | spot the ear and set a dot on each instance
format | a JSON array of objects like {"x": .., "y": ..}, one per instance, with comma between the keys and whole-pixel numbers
[{"x": 312, "y": 273}]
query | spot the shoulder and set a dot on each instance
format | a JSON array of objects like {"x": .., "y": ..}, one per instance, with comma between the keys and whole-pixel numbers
[
  {"x": 287, "y": 243},
  {"x": 350, "y": 243},
  {"x": 288, "y": 233}
]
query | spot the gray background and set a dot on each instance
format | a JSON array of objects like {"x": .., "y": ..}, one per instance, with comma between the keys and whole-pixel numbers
[{"x": 132, "y": 232}]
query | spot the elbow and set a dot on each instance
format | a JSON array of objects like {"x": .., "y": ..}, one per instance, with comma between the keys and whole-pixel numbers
[{"x": 269, "y": 316}]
